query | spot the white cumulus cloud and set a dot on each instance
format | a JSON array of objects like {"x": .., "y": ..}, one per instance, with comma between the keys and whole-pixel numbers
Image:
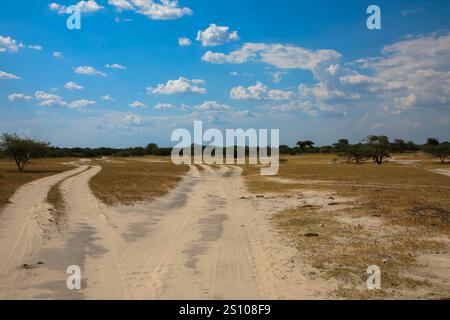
[
  {"x": 6, "y": 75},
  {"x": 8, "y": 44},
  {"x": 259, "y": 92},
  {"x": 137, "y": 104},
  {"x": 164, "y": 106},
  {"x": 89, "y": 6},
  {"x": 116, "y": 66},
  {"x": 19, "y": 97},
  {"x": 80, "y": 103},
  {"x": 212, "y": 105},
  {"x": 153, "y": 9},
  {"x": 216, "y": 35},
  {"x": 73, "y": 86},
  {"x": 180, "y": 85},
  {"x": 49, "y": 99},
  {"x": 184, "y": 42},
  {"x": 88, "y": 70},
  {"x": 107, "y": 97}
]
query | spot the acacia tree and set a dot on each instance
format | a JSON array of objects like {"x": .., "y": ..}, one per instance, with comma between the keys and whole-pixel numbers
[
  {"x": 378, "y": 148},
  {"x": 22, "y": 149},
  {"x": 305, "y": 144},
  {"x": 441, "y": 150},
  {"x": 358, "y": 153}
]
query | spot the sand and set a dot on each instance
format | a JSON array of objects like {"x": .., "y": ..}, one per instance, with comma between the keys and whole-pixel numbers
[{"x": 207, "y": 239}]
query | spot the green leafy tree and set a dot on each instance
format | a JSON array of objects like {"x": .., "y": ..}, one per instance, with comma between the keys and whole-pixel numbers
[
  {"x": 22, "y": 149},
  {"x": 152, "y": 149},
  {"x": 432, "y": 142},
  {"x": 378, "y": 148},
  {"x": 441, "y": 150},
  {"x": 358, "y": 153},
  {"x": 303, "y": 145}
]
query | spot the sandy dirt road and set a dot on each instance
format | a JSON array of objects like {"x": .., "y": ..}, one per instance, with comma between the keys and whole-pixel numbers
[{"x": 206, "y": 239}]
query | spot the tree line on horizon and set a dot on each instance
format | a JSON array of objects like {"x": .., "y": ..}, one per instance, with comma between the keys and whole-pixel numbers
[{"x": 375, "y": 148}]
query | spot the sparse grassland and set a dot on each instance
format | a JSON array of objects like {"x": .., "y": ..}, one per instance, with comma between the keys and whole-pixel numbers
[
  {"x": 397, "y": 213},
  {"x": 56, "y": 199},
  {"x": 11, "y": 179},
  {"x": 130, "y": 180}
]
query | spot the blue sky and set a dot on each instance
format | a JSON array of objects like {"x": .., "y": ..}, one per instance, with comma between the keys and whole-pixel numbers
[{"x": 310, "y": 68}]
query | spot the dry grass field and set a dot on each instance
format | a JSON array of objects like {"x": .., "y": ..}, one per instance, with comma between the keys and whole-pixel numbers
[
  {"x": 11, "y": 179},
  {"x": 394, "y": 215},
  {"x": 129, "y": 180}
]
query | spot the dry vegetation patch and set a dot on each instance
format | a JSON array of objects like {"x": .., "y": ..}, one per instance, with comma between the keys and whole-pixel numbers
[
  {"x": 130, "y": 180},
  {"x": 56, "y": 199},
  {"x": 11, "y": 179},
  {"x": 398, "y": 214}
]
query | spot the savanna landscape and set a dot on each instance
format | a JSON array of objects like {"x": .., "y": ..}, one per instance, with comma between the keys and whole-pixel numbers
[
  {"x": 230, "y": 153},
  {"x": 144, "y": 228}
]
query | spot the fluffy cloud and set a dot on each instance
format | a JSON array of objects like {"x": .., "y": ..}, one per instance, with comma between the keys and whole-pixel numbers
[
  {"x": 259, "y": 92},
  {"x": 180, "y": 85},
  {"x": 137, "y": 104},
  {"x": 6, "y": 75},
  {"x": 107, "y": 97},
  {"x": 80, "y": 103},
  {"x": 88, "y": 70},
  {"x": 116, "y": 66},
  {"x": 8, "y": 44},
  {"x": 73, "y": 86},
  {"x": 278, "y": 55},
  {"x": 57, "y": 54},
  {"x": 49, "y": 99},
  {"x": 160, "y": 106},
  {"x": 84, "y": 6},
  {"x": 411, "y": 73},
  {"x": 184, "y": 42},
  {"x": 216, "y": 35},
  {"x": 212, "y": 105},
  {"x": 19, "y": 97},
  {"x": 121, "y": 5},
  {"x": 155, "y": 10}
]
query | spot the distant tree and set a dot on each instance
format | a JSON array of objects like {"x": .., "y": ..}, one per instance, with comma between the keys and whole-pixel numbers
[
  {"x": 152, "y": 149},
  {"x": 378, "y": 148},
  {"x": 358, "y": 153},
  {"x": 398, "y": 146},
  {"x": 432, "y": 142},
  {"x": 284, "y": 149},
  {"x": 341, "y": 145},
  {"x": 441, "y": 150},
  {"x": 305, "y": 144},
  {"x": 164, "y": 152},
  {"x": 411, "y": 146},
  {"x": 22, "y": 149}
]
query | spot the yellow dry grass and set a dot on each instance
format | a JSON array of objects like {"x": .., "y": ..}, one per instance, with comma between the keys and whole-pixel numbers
[
  {"x": 56, "y": 199},
  {"x": 11, "y": 179},
  {"x": 401, "y": 211},
  {"x": 127, "y": 181}
]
